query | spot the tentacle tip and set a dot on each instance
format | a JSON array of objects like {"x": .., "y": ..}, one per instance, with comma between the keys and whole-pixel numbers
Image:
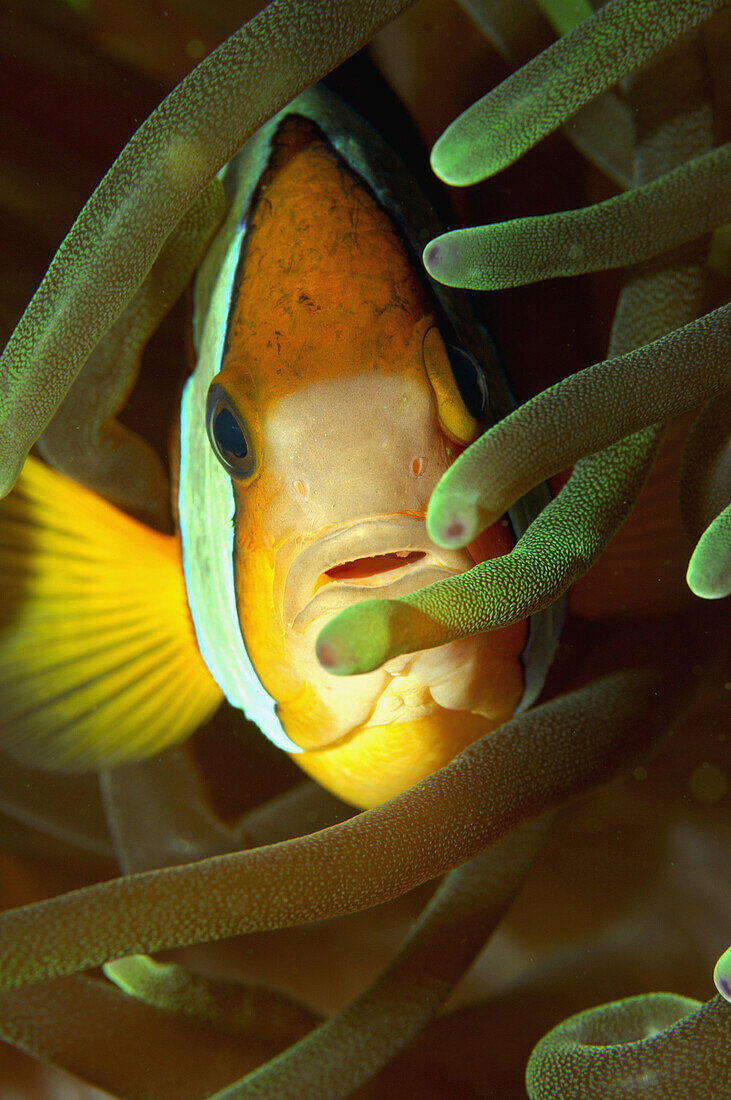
[
  {"x": 707, "y": 584},
  {"x": 10, "y": 471},
  {"x": 341, "y": 656},
  {"x": 453, "y": 160},
  {"x": 431, "y": 256},
  {"x": 722, "y": 975},
  {"x": 455, "y": 531},
  {"x": 709, "y": 568},
  {"x": 442, "y": 163},
  {"x": 452, "y": 531},
  {"x": 332, "y": 658},
  {"x": 327, "y": 655},
  {"x": 444, "y": 260},
  {"x": 358, "y": 639}
]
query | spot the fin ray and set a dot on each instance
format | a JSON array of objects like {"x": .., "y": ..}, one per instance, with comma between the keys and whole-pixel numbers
[{"x": 98, "y": 659}]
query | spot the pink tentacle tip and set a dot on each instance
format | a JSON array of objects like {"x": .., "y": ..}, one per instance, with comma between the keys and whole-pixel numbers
[
  {"x": 431, "y": 254},
  {"x": 455, "y": 530},
  {"x": 327, "y": 655}
]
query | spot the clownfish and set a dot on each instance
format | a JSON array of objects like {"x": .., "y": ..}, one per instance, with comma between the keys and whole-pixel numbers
[{"x": 334, "y": 384}]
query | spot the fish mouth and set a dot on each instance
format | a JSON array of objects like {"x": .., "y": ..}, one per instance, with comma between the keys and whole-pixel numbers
[
  {"x": 374, "y": 565},
  {"x": 377, "y": 557}
]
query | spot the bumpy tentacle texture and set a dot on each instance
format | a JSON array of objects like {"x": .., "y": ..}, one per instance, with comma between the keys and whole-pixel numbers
[
  {"x": 556, "y": 550},
  {"x": 658, "y": 297},
  {"x": 528, "y": 766},
  {"x": 82, "y": 439},
  {"x": 173, "y": 155},
  {"x": 623, "y": 230},
  {"x": 580, "y": 1058},
  {"x": 602, "y": 130},
  {"x": 350, "y": 1047},
  {"x": 532, "y": 103},
  {"x": 572, "y": 531},
  {"x": 705, "y": 492},
  {"x": 553, "y": 431},
  {"x": 157, "y": 1055},
  {"x": 643, "y": 1048},
  {"x": 680, "y": 1062},
  {"x": 235, "y": 1009}
]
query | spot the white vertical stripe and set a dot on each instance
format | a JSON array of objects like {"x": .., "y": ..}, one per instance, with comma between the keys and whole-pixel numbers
[{"x": 206, "y": 506}]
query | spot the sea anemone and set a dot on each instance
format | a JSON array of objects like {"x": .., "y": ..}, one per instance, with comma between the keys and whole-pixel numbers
[{"x": 584, "y": 838}]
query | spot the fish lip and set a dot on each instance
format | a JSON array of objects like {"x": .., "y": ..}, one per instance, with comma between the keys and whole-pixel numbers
[{"x": 365, "y": 537}]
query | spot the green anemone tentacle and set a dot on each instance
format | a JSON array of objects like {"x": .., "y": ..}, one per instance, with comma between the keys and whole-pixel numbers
[
  {"x": 530, "y": 765},
  {"x": 602, "y": 130},
  {"x": 83, "y": 440},
  {"x": 527, "y": 766},
  {"x": 350, "y": 1047},
  {"x": 722, "y": 974},
  {"x": 551, "y": 431},
  {"x": 644, "y": 1048},
  {"x": 533, "y": 102},
  {"x": 622, "y": 230},
  {"x": 705, "y": 490},
  {"x": 709, "y": 569},
  {"x": 230, "y": 1007},
  {"x": 557, "y": 549},
  {"x": 618, "y": 1049},
  {"x": 114, "y": 241},
  {"x": 573, "y": 530},
  {"x": 157, "y": 1055}
]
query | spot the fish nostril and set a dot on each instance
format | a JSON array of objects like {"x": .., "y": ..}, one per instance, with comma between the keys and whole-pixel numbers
[
  {"x": 418, "y": 466},
  {"x": 301, "y": 489}
]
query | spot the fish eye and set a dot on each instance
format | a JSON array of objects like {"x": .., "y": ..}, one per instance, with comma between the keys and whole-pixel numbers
[
  {"x": 228, "y": 435},
  {"x": 470, "y": 380}
]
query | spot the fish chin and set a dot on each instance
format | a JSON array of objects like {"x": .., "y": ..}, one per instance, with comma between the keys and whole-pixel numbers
[
  {"x": 385, "y": 556},
  {"x": 382, "y": 556},
  {"x": 405, "y": 720}
]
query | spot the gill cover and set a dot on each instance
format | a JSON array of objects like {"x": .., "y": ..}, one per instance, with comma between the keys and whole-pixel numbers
[{"x": 469, "y": 389}]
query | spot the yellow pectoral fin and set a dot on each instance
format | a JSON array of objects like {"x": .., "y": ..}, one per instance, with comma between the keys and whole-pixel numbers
[{"x": 98, "y": 659}]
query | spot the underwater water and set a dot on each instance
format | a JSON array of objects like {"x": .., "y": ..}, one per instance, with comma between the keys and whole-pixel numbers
[{"x": 591, "y": 835}]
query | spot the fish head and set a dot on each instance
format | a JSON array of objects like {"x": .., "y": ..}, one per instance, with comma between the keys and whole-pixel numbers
[
  {"x": 340, "y": 397},
  {"x": 328, "y": 413}
]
